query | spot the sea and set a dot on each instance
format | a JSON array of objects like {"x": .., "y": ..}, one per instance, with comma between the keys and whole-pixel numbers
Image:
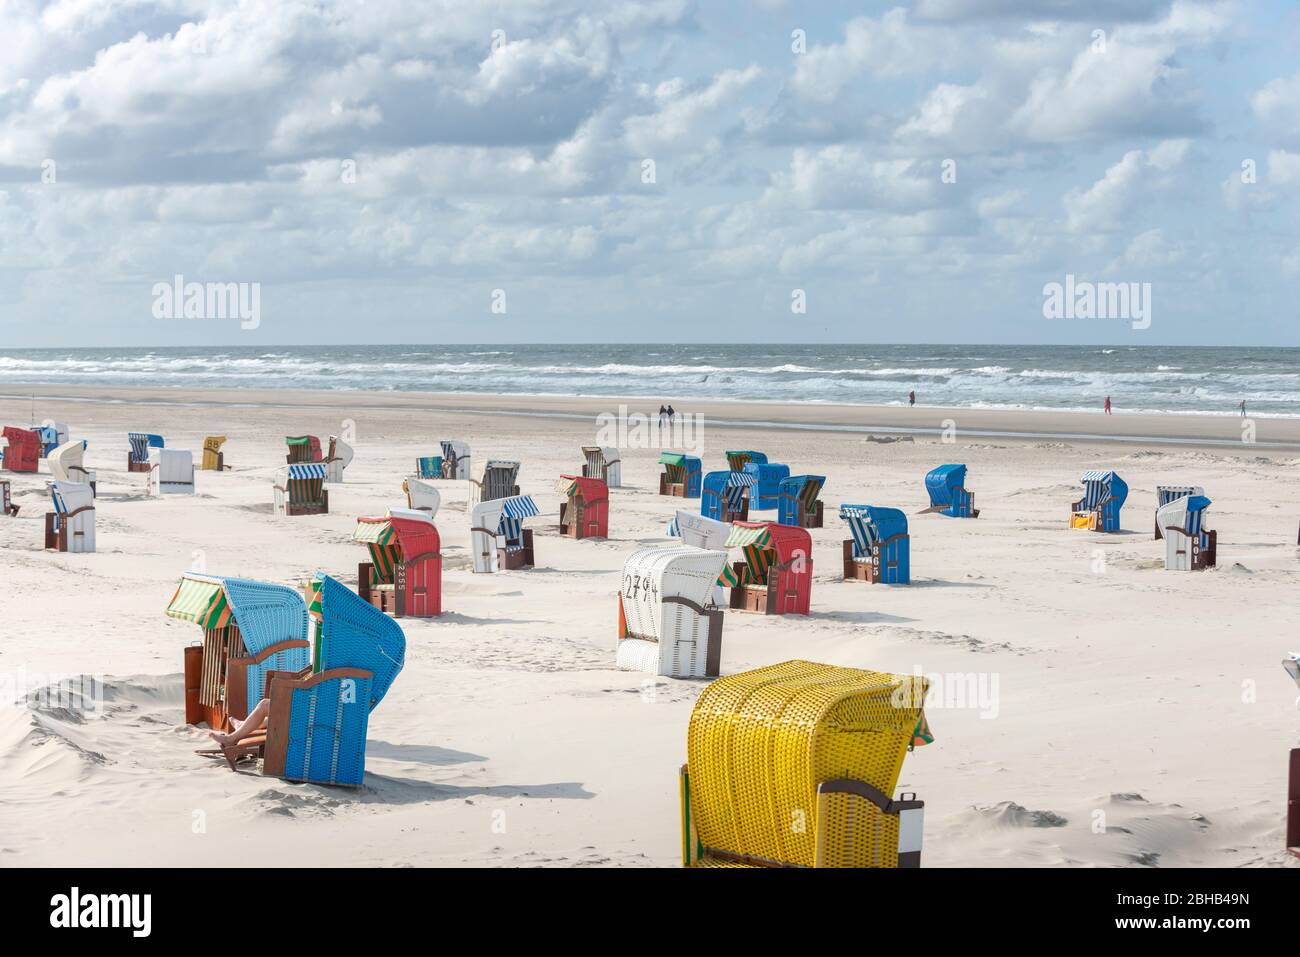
[{"x": 1178, "y": 380}]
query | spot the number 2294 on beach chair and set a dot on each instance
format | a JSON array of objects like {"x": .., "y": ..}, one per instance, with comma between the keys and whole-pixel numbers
[{"x": 795, "y": 765}]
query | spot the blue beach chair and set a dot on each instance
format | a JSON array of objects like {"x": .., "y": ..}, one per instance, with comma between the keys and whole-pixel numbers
[
  {"x": 879, "y": 549},
  {"x": 948, "y": 493}
]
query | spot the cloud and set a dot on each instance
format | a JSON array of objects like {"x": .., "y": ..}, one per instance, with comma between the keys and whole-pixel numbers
[{"x": 1109, "y": 204}]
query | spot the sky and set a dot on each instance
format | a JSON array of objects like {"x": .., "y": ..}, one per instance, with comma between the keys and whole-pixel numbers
[{"x": 452, "y": 171}]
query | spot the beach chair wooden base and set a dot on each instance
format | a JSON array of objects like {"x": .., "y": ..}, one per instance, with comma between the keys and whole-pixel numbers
[
  {"x": 742, "y": 515},
  {"x": 134, "y": 466},
  {"x": 574, "y": 524},
  {"x": 858, "y": 571},
  {"x": 215, "y": 463},
  {"x": 753, "y": 598},
  {"x": 316, "y": 508},
  {"x": 674, "y": 489},
  {"x": 56, "y": 532},
  {"x": 1293, "y": 804},
  {"x": 510, "y": 560},
  {"x": 811, "y": 519}
]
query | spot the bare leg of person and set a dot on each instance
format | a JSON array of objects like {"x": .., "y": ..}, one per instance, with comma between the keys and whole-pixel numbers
[{"x": 249, "y": 725}]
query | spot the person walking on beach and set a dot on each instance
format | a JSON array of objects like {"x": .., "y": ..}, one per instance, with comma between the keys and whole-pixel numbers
[
  {"x": 1242, "y": 405},
  {"x": 1108, "y": 405},
  {"x": 911, "y": 398},
  {"x": 671, "y": 413},
  {"x": 663, "y": 414}
]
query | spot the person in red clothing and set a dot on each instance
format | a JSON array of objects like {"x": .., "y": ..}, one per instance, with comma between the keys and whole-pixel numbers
[{"x": 1108, "y": 405}]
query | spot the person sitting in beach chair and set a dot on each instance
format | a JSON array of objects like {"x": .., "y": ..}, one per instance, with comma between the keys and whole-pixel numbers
[
  {"x": 311, "y": 725},
  {"x": 603, "y": 462},
  {"x": 137, "y": 459},
  {"x": 67, "y": 464},
  {"x": 214, "y": 460},
  {"x": 500, "y": 480},
  {"x": 667, "y": 623},
  {"x": 681, "y": 475},
  {"x": 948, "y": 493},
  {"x": 23, "y": 450},
  {"x": 879, "y": 549},
  {"x": 455, "y": 459},
  {"x": 302, "y": 448},
  {"x": 1170, "y": 493},
  {"x": 1104, "y": 493},
  {"x": 795, "y": 765},
  {"x": 1189, "y": 546},
  {"x": 422, "y": 496},
  {"x": 339, "y": 458},
  {"x": 725, "y": 495},
  {"x": 798, "y": 504}
]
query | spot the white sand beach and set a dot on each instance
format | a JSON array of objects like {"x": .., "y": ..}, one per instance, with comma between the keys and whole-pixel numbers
[{"x": 1124, "y": 714}]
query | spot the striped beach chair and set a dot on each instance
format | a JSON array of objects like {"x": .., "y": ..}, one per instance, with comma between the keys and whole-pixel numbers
[
  {"x": 1170, "y": 493},
  {"x": 404, "y": 574},
  {"x": 250, "y": 629},
  {"x": 429, "y": 467},
  {"x": 137, "y": 459},
  {"x": 776, "y": 574},
  {"x": 339, "y": 458},
  {"x": 23, "y": 450},
  {"x": 667, "y": 622},
  {"x": 795, "y": 765},
  {"x": 300, "y": 490},
  {"x": 214, "y": 460},
  {"x": 798, "y": 504},
  {"x": 948, "y": 493},
  {"x": 52, "y": 435},
  {"x": 879, "y": 547},
  {"x": 500, "y": 480},
  {"x": 302, "y": 448},
  {"x": 725, "y": 495},
  {"x": 498, "y": 538},
  {"x": 421, "y": 496},
  {"x": 71, "y": 526},
  {"x": 455, "y": 459},
  {"x": 737, "y": 459},
  {"x": 67, "y": 464},
  {"x": 681, "y": 475},
  {"x": 584, "y": 513},
  {"x": 1104, "y": 493},
  {"x": 1189, "y": 545},
  {"x": 604, "y": 463}
]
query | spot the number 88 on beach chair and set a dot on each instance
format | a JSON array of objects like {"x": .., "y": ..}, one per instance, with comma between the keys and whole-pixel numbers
[
  {"x": 1104, "y": 493},
  {"x": 214, "y": 460},
  {"x": 794, "y": 765}
]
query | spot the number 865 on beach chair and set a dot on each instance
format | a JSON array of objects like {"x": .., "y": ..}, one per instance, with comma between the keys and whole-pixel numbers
[{"x": 793, "y": 765}]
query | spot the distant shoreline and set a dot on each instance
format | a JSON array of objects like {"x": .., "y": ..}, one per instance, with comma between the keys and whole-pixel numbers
[{"x": 1184, "y": 429}]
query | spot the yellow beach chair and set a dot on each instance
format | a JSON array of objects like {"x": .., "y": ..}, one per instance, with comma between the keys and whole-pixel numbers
[
  {"x": 214, "y": 460},
  {"x": 794, "y": 765}
]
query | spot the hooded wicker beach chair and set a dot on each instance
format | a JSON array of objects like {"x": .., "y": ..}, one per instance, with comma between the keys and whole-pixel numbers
[
  {"x": 1169, "y": 493},
  {"x": 667, "y": 621},
  {"x": 707, "y": 533},
  {"x": 71, "y": 526},
  {"x": 171, "y": 472},
  {"x": 766, "y": 491},
  {"x": 879, "y": 547},
  {"x": 404, "y": 574},
  {"x": 737, "y": 459},
  {"x": 795, "y": 765},
  {"x": 300, "y": 490},
  {"x": 1189, "y": 545},
  {"x": 422, "y": 496},
  {"x": 584, "y": 513},
  {"x": 798, "y": 504},
  {"x": 500, "y": 480},
  {"x": 776, "y": 575},
  {"x": 52, "y": 435},
  {"x": 681, "y": 475},
  {"x": 604, "y": 463},
  {"x": 214, "y": 460},
  {"x": 7, "y": 506},
  {"x": 339, "y": 458},
  {"x": 948, "y": 493},
  {"x": 497, "y": 535},
  {"x": 725, "y": 495},
  {"x": 250, "y": 629},
  {"x": 1104, "y": 493},
  {"x": 67, "y": 464},
  {"x": 23, "y": 451},
  {"x": 302, "y": 448},
  {"x": 137, "y": 459},
  {"x": 455, "y": 459}
]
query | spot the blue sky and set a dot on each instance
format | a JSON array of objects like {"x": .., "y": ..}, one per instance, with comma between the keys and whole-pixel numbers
[{"x": 503, "y": 147}]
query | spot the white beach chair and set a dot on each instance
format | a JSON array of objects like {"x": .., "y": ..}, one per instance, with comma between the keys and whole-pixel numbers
[
  {"x": 339, "y": 458},
  {"x": 421, "y": 496},
  {"x": 498, "y": 539},
  {"x": 171, "y": 472},
  {"x": 668, "y": 623},
  {"x": 1189, "y": 545},
  {"x": 71, "y": 526},
  {"x": 603, "y": 462},
  {"x": 66, "y": 464},
  {"x": 699, "y": 531}
]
